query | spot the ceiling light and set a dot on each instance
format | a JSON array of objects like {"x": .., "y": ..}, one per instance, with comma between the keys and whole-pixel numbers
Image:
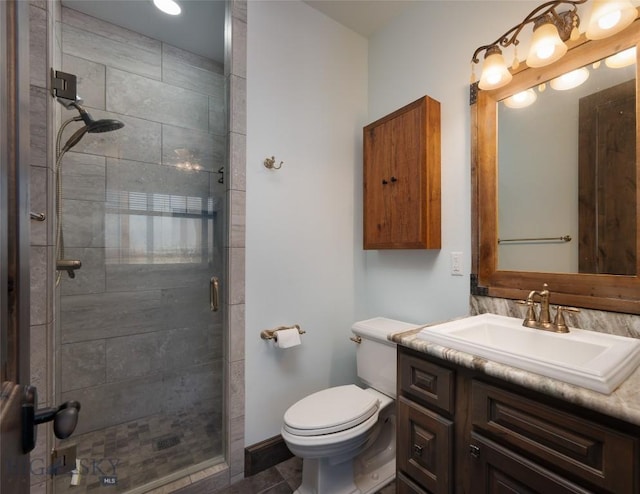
[
  {"x": 168, "y": 6},
  {"x": 622, "y": 59},
  {"x": 609, "y": 17},
  {"x": 521, "y": 99},
  {"x": 570, "y": 79}
]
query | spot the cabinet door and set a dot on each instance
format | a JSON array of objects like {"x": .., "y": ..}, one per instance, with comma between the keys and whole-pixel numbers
[
  {"x": 496, "y": 470},
  {"x": 377, "y": 174},
  {"x": 425, "y": 447},
  {"x": 402, "y": 178}
]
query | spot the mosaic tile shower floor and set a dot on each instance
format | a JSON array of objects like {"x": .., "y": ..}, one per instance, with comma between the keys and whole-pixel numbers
[{"x": 143, "y": 450}]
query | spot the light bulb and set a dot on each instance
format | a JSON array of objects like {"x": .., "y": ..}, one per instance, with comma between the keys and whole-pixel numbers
[
  {"x": 544, "y": 50},
  {"x": 609, "y": 20},
  {"x": 521, "y": 99},
  {"x": 570, "y": 79},
  {"x": 168, "y": 6},
  {"x": 622, "y": 59},
  {"x": 609, "y": 17},
  {"x": 494, "y": 71},
  {"x": 546, "y": 46}
]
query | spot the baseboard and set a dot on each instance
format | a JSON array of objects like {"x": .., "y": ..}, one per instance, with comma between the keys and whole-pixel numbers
[{"x": 265, "y": 454}]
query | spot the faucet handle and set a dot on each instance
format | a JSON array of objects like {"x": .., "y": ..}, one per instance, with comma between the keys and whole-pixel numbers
[
  {"x": 530, "y": 319},
  {"x": 559, "y": 323}
]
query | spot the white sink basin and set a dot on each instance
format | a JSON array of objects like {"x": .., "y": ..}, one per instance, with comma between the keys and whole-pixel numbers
[{"x": 593, "y": 360}]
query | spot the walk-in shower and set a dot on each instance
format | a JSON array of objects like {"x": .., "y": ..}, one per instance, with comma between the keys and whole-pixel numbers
[
  {"x": 137, "y": 342},
  {"x": 91, "y": 126}
]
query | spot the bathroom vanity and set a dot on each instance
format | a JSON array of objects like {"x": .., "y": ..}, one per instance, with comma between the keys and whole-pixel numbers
[{"x": 471, "y": 425}]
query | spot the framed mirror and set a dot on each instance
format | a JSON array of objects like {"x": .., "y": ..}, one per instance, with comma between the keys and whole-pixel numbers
[{"x": 541, "y": 176}]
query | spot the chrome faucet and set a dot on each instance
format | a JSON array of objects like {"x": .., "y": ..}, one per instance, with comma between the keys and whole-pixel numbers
[{"x": 543, "y": 319}]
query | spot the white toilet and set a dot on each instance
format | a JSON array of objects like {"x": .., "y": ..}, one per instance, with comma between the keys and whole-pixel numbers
[{"x": 346, "y": 435}]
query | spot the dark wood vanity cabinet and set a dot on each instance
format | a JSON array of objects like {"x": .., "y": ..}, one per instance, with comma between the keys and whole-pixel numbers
[
  {"x": 462, "y": 432},
  {"x": 425, "y": 427},
  {"x": 401, "y": 155}
]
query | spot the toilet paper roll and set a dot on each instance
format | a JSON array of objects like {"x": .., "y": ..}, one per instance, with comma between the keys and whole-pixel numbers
[{"x": 287, "y": 338}]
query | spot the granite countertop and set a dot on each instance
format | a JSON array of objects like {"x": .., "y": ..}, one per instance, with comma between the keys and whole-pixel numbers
[{"x": 623, "y": 403}]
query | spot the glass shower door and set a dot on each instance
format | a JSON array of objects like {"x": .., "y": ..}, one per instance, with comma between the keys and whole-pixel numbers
[{"x": 137, "y": 342}]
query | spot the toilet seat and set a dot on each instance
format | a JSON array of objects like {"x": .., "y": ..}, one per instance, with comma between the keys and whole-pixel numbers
[{"x": 330, "y": 410}]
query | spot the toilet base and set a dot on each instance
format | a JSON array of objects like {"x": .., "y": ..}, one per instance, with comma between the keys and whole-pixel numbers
[
  {"x": 320, "y": 476},
  {"x": 367, "y": 473},
  {"x": 339, "y": 479}
]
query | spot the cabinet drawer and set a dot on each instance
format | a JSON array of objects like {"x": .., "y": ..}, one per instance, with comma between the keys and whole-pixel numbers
[
  {"x": 498, "y": 470},
  {"x": 425, "y": 447},
  {"x": 427, "y": 383},
  {"x": 407, "y": 486},
  {"x": 572, "y": 445}
]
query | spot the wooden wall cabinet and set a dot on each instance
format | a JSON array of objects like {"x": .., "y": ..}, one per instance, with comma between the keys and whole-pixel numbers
[
  {"x": 402, "y": 178},
  {"x": 460, "y": 432}
]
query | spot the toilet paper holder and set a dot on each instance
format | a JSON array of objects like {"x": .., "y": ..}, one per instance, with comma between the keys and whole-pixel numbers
[{"x": 272, "y": 334}]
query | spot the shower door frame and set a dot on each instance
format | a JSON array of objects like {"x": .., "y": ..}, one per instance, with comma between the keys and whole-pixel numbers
[{"x": 232, "y": 292}]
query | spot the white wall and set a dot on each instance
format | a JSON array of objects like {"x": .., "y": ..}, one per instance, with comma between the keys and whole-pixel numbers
[
  {"x": 310, "y": 92},
  {"x": 306, "y": 105},
  {"x": 427, "y": 50}
]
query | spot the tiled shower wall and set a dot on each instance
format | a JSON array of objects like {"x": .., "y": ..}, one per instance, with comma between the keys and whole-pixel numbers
[
  {"x": 136, "y": 333},
  {"x": 42, "y": 16},
  {"x": 45, "y": 52}
]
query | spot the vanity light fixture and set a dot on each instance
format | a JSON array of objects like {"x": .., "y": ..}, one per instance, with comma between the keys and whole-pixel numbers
[
  {"x": 521, "y": 99},
  {"x": 546, "y": 44},
  {"x": 623, "y": 59},
  {"x": 551, "y": 29},
  {"x": 609, "y": 17},
  {"x": 168, "y": 6},
  {"x": 494, "y": 71},
  {"x": 570, "y": 79}
]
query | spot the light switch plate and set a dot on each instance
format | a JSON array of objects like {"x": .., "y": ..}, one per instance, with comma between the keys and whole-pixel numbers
[{"x": 456, "y": 264}]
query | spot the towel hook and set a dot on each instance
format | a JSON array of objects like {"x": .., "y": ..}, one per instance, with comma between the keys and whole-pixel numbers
[{"x": 270, "y": 163}]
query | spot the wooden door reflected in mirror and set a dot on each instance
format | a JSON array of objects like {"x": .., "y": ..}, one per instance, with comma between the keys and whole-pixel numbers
[{"x": 607, "y": 181}]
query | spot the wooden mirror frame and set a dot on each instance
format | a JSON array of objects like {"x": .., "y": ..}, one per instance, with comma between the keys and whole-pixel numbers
[{"x": 615, "y": 293}]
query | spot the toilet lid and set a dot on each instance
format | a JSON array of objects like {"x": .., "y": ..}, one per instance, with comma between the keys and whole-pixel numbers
[{"x": 330, "y": 410}]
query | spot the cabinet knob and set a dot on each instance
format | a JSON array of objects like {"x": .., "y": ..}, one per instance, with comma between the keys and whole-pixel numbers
[
  {"x": 417, "y": 450},
  {"x": 384, "y": 182},
  {"x": 394, "y": 179},
  {"x": 474, "y": 451}
]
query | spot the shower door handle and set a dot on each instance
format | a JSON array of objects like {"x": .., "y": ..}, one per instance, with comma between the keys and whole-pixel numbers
[
  {"x": 213, "y": 293},
  {"x": 64, "y": 418}
]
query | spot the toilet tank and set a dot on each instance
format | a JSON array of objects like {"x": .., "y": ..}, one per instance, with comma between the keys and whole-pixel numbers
[{"x": 376, "y": 355}]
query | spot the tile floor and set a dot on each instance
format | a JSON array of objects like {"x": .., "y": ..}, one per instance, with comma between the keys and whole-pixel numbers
[
  {"x": 142, "y": 450},
  {"x": 284, "y": 478}
]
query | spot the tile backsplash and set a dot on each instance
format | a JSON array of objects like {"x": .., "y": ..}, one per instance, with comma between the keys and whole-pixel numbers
[{"x": 593, "y": 320}]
